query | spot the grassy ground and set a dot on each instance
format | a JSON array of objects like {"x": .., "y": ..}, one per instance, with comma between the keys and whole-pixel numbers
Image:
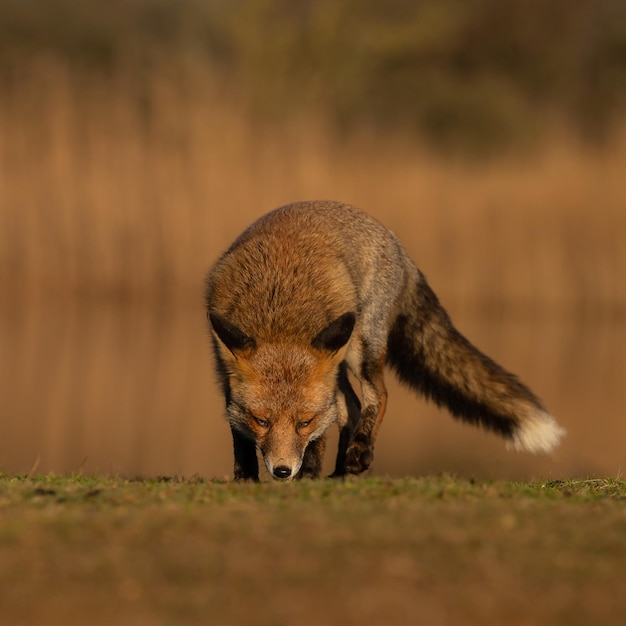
[{"x": 429, "y": 550}]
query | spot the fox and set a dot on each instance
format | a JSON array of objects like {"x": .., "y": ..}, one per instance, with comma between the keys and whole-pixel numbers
[{"x": 316, "y": 291}]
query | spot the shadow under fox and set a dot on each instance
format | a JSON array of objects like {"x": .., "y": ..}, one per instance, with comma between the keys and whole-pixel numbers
[{"x": 313, "y": 290}]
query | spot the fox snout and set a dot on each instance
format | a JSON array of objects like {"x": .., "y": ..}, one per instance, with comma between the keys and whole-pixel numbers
[
  {"x": 281, "y": 468},
  {"x": 281, "y": 472}
]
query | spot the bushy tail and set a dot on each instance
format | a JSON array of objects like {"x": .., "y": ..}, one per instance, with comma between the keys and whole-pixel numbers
[{"x": 432, "y": 357}]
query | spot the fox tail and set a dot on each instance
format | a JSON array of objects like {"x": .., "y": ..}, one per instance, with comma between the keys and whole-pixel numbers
[{"x": 430, "y": 355}]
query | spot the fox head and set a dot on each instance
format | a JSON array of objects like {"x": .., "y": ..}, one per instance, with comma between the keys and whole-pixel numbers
[{"x": 281, "y": 394}]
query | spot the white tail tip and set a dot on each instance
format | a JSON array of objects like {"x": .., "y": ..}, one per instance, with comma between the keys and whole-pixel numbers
[{"x": 537, "y": 433}]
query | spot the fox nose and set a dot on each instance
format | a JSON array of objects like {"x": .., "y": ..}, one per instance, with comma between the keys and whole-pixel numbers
[{"x": 282, "y": 471}]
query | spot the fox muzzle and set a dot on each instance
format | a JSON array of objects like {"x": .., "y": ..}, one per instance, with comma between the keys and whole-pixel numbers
[{"x": 281, "y": 472}]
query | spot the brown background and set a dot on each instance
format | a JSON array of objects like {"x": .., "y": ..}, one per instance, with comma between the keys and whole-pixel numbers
[{"x": 118, "y": 190}]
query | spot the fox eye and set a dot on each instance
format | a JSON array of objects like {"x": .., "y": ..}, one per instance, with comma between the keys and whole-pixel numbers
[
  {"x": 304, "y": 423},
  {"x": 262, "y": 423}
]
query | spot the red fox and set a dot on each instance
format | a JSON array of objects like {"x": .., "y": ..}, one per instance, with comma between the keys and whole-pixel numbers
[{"x": 314, "y": 290}]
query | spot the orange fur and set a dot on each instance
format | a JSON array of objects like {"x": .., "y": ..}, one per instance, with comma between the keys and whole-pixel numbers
[{"x": 315, "y": 289}]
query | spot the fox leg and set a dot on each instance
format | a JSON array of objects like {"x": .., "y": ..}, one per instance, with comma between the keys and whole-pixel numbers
[
  {"x": 360, "y": 452},
  {"x": 246, "y": 463},
  {"x": 312, "y": 460},
  {"x": 353, "y": 407}
]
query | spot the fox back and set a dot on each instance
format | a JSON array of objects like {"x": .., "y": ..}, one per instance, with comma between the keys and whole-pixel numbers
[{"x": 313, "y": 290}]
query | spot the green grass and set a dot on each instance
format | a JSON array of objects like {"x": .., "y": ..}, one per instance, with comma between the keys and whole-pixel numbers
[{"x": 429, "y": 550}]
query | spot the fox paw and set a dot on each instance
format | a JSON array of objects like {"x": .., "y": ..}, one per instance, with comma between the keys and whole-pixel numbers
[
  {"x": 243, "y": 476},
  {"x": 359, "y": 457}
]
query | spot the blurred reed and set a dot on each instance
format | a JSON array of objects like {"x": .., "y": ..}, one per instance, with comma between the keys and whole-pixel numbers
[
  {"x": 116, "y": 188},
  {"x": 138, "y": 139}
]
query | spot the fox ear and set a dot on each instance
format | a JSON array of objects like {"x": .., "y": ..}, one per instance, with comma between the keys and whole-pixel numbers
[
  {"x": 231, "y": 336},
  {"x": 336, "y": 334}
]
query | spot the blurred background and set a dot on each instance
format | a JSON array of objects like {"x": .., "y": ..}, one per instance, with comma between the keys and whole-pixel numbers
[{"x": 139, "y": 137}]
